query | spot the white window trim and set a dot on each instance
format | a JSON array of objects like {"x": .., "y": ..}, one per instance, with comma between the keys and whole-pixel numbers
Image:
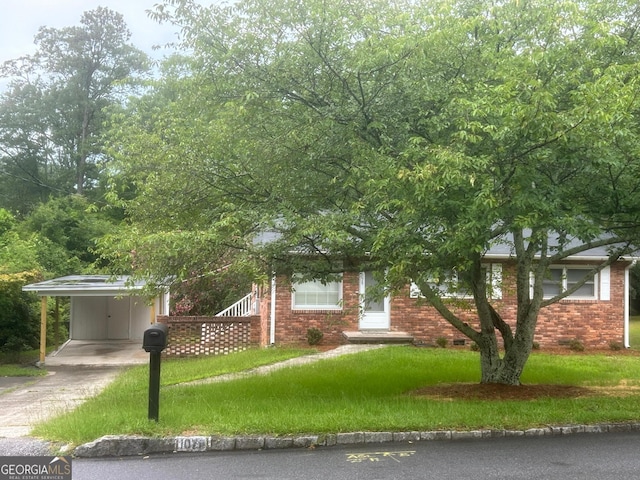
[
  {"x": 336, "y": 307},
  {"x": 605, "y": 284},
  {"x": 494, "y": 281},
  {"x": 573, "y": 296}
]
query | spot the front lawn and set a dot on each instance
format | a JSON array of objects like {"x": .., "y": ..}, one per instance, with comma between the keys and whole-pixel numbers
[
  {"x": 634, "y": 332},
  {"x": 370, "y": 391}
]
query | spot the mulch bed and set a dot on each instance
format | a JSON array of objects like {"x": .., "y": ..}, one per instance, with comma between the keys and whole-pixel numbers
[{"x": 476, "y": 391}]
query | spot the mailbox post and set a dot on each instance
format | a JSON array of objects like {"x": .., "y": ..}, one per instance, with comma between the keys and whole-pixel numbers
[{"x": 154, "y": 342}]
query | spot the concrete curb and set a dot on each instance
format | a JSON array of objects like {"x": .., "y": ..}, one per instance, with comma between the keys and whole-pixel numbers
[{"x": 121, "y": 446}]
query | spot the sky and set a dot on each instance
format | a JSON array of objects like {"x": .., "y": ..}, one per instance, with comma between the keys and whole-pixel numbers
[{"x": 21, "y": 19}]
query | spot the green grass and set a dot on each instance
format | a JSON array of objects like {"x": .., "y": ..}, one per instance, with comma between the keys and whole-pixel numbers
[
  {"x": 634, "y": 332},
  {"x": 22, "y": 358},
  {"x": 20, "y": 371},
  {"x": 175, "y": 371},
  {"x": 369, "y": 391},
  {"x": 20, "y": 364}
]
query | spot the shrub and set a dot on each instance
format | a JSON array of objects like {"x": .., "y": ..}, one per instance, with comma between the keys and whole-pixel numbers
[
  {"x": 576, "y": 345},
  {"x": 536, "y": 345},
  {"x": 615, "y": 346},
  {"x": 19, "y": 319},
  {"x": 314, "y": 336},
  {"x": 474, "y": 347},
  {"x": 442, "y": 342}
]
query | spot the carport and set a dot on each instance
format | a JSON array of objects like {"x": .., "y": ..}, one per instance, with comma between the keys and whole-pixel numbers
[{"x": 103, "y": 308}]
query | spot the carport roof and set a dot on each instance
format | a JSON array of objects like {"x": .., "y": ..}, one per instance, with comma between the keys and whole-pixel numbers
[{"x": 85, "y": 285}]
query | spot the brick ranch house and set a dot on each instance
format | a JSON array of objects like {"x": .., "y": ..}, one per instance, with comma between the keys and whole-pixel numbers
[{"x": 597, "y": 314}]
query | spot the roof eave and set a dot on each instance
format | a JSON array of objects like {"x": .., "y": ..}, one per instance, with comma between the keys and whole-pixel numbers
[
  {"x": 46, "y": 292},
  {"x": 577, "y": 258}
]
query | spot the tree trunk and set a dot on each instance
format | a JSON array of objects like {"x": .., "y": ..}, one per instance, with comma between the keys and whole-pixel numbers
[
  {"x": 517, "y": 344},
  {"x": 81, "y": 165},
  {"x": 506, "y": 370},
  {"x": 490, "y": 361}
]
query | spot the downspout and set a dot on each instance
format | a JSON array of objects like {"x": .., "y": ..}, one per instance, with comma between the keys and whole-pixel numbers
[
  {"x": 272, "y": 313},
  {"x": 166, "y": 297},
  {"x": 626, "y": 304}
]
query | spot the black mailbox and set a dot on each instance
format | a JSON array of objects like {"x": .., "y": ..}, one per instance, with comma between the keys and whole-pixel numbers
[{"x": 155, "y": 338}]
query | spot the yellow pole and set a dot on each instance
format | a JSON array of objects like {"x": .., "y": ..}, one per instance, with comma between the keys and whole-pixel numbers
[
  {"x": 153, "y": 313},
  {"x": 56, "y": 325},
  {"x": 43, "y": 329}
]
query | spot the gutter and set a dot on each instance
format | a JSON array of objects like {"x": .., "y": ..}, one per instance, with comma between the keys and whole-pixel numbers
[{"x": 586, "y": 258}]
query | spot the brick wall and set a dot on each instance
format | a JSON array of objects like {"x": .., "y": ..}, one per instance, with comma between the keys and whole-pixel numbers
[
  {"x": 595, "y": 323},
  {"x": 192, "y": 336},
  {"x": 292, "y": 325}
]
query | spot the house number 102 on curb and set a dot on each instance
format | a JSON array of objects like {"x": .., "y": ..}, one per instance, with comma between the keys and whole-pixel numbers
[{"x": 191, "y": 444}]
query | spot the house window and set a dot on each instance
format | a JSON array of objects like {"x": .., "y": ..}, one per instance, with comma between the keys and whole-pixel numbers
[
  {"x": 316, "y": 295},
  {"x": 552, "y": 283},
  {"x": 450, "y": 287},
  {"x": 446, "y": 287},
  {"x": 562, "y": 278}
]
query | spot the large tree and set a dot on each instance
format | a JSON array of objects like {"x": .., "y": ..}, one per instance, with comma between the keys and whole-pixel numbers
[
  {"x": 411, "y": 136},
  {"x": 52, "y": 114}
]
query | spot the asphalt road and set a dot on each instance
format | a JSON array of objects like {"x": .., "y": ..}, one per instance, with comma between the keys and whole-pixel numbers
[{"x": 571, "y": 457}]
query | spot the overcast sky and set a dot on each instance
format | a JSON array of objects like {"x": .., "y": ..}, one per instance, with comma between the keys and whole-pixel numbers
[{"x": 20, "y": 20}]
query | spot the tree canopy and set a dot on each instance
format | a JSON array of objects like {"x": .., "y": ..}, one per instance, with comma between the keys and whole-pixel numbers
[
  {"x": 411, "y": 136},
  {"x": 52, "y": 115}
]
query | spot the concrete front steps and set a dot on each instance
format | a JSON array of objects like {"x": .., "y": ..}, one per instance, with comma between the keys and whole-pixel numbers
[{"x": 378, "y": 337}]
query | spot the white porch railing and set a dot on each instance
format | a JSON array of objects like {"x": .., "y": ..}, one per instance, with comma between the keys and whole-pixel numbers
[{"x": 242, "y": 308}]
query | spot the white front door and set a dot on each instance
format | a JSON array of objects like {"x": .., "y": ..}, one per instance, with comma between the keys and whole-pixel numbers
[{"x": 374, "y": 312}]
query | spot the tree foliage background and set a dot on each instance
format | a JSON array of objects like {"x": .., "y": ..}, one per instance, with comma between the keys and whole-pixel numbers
[{"x": 52, "y": 115}]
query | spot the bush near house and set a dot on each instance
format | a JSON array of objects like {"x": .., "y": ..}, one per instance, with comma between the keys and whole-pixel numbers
[{"x": 19, "y": 319}]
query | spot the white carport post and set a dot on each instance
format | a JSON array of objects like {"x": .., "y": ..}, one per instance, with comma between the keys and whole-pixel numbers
[{"x": 43, "y": 329}]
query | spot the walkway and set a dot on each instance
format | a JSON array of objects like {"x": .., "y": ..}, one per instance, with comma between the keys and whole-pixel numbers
[{"x": 292, "y": 362}]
